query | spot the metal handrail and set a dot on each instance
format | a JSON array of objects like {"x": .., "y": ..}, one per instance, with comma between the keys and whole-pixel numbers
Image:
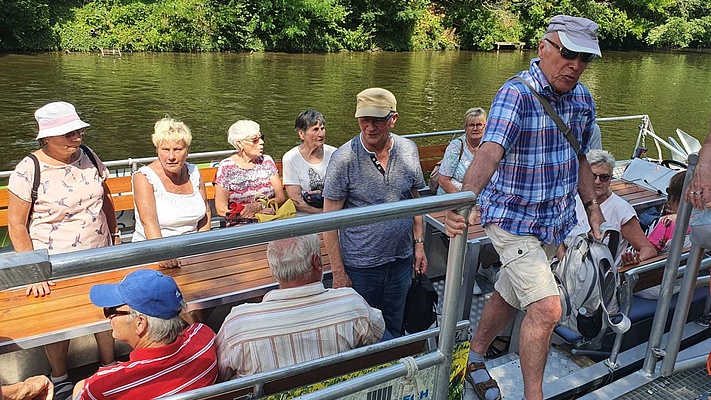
[
  {"x": 654, "y": 351},
  {"x": 133, "y": 163},
  {"x": 263, "y": 377},
  {"x": 149, "y": 251}
]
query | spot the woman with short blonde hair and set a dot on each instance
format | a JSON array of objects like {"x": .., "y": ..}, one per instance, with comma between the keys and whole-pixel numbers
[{"x": 169, "y": 193}]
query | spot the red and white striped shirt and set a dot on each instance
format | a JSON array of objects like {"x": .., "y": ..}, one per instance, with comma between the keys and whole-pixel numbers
[{"x": 186, "y": 364}]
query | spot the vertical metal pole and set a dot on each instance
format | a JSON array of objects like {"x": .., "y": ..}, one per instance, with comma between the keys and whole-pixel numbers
[
  {"x": 683, "y": 304},
  {"x": 452, "y": 288},
  {"x": 669, "y": 277}
]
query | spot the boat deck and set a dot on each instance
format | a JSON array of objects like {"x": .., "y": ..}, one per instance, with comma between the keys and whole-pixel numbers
[{"x": 684, "y": 385}]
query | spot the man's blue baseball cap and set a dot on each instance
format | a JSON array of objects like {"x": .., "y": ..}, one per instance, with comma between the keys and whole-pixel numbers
[{"x": 147, "y": 291}]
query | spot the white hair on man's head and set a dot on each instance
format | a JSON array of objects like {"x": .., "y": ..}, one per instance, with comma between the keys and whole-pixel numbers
[
  {"x": 160, "y": 330},
  {"x": 290, "y": 259},
  {"x": 597, "y": 156}
]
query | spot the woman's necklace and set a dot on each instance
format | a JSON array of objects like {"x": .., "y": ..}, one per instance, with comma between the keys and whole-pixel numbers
[{"x": 181, "y": 181}]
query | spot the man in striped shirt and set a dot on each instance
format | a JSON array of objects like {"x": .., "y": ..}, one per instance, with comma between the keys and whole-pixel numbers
[
  {"x": 300, "y": 321},
  {"x": 167, "y": 358},
  {"x": 528, "y": 174}
]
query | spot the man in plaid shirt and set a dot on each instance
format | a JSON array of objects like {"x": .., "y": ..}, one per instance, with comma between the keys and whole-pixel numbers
[{"x": 527, "y": 174}]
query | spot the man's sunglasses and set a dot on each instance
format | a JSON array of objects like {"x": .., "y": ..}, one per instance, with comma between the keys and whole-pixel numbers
[
  {"x": 112, "y": 312},
  {"x": 603, "y": 177},
  {"x": 255, "y": 140},
  {"x": 570, "y": 54}
]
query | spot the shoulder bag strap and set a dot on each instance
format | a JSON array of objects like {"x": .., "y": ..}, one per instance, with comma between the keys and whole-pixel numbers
[
  {"x": 91, "y": 156},
  {"x": 567, "y": 132},
  {"x": 35, "y": 186},
  {"x": 461, "y": 148}
]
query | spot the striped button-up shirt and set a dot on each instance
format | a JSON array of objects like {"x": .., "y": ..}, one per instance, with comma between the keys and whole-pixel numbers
[
  {"x": 533, "y": 190},
  {"x": 292, "y": 326}
]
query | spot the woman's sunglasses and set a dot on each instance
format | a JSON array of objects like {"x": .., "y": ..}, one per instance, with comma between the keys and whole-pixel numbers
[
  {"x": 603, "y": 177},
  {"x": 570, "y": 54},
  {"x": 112, "y": 312},
  {"x": 255, "y": 140}
]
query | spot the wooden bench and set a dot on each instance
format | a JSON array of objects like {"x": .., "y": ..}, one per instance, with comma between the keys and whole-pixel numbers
[{"x": 206, "y": 280}]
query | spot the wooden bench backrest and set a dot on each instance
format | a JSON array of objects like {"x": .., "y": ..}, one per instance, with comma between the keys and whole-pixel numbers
[{"x": 122, "y": 191}]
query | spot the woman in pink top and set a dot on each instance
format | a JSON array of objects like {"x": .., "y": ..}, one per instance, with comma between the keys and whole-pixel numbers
[
  {"x": 245, "y": 175},
  {"x": 72, "y": 210},
  {"x": 661, "y": 234}
]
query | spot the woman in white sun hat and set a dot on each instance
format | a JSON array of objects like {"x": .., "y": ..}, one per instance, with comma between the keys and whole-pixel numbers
[{"x": 59, "y": 201}]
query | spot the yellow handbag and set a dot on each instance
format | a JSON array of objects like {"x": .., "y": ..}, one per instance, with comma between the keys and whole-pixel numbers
[{"x": 287, "y": 210}]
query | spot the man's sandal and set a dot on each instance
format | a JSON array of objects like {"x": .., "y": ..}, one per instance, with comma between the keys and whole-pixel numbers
[
  {"x": 498, "y": 347},
  {"x": 481, "y": 388}
]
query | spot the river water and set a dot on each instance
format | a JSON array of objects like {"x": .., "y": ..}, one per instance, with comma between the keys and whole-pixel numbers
[{"x": 122, "y": 97}]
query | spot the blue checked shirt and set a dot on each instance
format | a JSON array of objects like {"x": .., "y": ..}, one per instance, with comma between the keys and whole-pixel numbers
[{"x": 533, "y": 190}]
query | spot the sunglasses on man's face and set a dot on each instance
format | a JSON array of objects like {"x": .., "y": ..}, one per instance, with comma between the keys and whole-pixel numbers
[
  {"x": 603, "y": 177},
  {"x": 570, "y": 54},
  {"x": 110, "y": 312}
]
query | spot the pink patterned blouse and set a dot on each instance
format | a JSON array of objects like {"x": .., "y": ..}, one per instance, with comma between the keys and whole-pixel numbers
[{"x": 244, "y": 184}]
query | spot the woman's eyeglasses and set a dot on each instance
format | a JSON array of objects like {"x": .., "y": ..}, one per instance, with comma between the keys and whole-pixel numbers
[
  {"x": 255, "y": 140},
  {"x": 477, "y": 126},
  {"x": 71, "y": 134},
  {"x": 112, "y": 312},
  {"x": 570, "y": 54},
  {"x": 603, "y": 177}
]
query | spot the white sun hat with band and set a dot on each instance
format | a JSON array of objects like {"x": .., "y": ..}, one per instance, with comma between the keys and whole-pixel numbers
[
  {"x": 576, "y": 33},
  {"x": 58, "y": 118}
]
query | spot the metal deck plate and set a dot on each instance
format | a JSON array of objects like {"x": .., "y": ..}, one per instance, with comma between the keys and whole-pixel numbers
[{"x": 684, "y": 385}]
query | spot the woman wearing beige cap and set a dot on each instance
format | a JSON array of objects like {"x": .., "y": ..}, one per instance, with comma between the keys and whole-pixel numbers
[{"x": 59, "y": 201}]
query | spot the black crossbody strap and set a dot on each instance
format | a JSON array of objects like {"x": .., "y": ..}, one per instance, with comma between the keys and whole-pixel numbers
[
  {"x": 35, "y": 186},
  {"x": 564, "y": 129}
]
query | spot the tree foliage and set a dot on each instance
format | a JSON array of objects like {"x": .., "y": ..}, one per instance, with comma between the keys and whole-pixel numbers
[{"x": 336, "y": 25}]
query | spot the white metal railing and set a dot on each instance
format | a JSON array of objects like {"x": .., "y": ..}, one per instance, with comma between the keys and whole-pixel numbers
[{"x": 134, "y": 163}]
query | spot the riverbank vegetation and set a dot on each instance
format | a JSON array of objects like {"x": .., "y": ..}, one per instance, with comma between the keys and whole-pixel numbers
[{"x": 336, "y": 25}]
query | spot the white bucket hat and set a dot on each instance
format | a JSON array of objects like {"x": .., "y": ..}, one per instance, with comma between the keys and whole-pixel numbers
[{"x": 58, "y": 118}]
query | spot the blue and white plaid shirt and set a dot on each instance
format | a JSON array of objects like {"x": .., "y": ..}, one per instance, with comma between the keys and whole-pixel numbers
[{"x": 533, "y": 190}]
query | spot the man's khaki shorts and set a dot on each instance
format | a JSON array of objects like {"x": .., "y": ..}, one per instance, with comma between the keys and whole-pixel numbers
[{"x": 526, "y": 275}]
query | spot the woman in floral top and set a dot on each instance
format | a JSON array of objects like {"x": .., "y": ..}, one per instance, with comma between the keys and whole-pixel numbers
[
  {"x": 245, "y": 175},
  {"x": 71, "y": 210}
]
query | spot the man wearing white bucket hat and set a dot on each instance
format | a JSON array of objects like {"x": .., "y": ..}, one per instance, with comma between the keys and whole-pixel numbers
[
  {"x": 58, "y": 200},
  {"x": 527, "y": 174}
]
